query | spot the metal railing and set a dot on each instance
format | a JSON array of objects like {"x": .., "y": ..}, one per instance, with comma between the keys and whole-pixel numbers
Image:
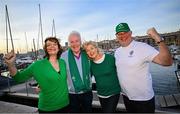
[{"x": 11, "y": 86}]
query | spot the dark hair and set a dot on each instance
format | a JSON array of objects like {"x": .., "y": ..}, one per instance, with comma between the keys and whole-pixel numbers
[{"x": 52, "y": 39}]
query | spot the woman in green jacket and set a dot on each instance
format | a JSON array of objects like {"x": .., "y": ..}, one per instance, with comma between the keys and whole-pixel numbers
[
  {"x": 104, "y": 70},
  {"x": 50, "y": 73}
]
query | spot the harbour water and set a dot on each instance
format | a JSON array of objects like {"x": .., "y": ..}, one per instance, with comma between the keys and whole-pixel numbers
[{"x": 164, "y": 79}]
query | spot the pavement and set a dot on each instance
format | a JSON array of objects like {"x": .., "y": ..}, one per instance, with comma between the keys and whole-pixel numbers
[
  {"x": 20, "y": 89},
  {"x": 6, "y": 107}
]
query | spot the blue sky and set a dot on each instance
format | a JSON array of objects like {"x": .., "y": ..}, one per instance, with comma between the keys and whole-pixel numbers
[{"x": 89, "y": 17}]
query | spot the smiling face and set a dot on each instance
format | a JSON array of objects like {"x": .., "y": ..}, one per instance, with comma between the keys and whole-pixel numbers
[
  {"x": 92, "y": 50},
  {"x": 52, "y": 48},
  {"x": 124, "y": 38},
  {"x": 75, "y": 43}
]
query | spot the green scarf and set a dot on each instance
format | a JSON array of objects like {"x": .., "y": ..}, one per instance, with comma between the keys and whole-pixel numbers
[{"x": 79, "y": 84}]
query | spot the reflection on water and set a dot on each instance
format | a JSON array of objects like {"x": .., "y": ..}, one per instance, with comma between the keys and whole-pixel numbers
[{"x": 164, "y": 79}]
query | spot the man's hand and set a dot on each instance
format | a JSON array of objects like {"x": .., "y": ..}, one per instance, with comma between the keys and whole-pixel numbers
[{"x": 154, "y": 34}]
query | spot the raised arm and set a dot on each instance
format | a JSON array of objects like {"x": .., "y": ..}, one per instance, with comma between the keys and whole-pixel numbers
[
  {"x": 10, "y": 61},
  {"x": 164, "y": 57}
]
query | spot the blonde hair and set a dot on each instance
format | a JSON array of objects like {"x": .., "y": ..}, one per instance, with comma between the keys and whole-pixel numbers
[{"x": 85, "y": 44}]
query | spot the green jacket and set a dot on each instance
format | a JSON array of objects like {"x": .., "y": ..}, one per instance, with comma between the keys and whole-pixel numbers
[{"x": 54, "y": 90}]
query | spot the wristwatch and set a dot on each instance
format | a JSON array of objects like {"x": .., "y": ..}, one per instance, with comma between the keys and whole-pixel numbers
[{"x": 162, "y": 40}]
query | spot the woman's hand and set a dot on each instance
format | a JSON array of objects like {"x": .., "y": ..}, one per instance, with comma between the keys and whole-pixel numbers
[
  {"x": 10, "y": 58},
  {"x": 37, "y": 89}
]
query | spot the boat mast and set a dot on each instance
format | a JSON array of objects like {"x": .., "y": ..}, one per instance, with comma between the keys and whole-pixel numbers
[
  {"x": 6, "y": 32},
  {"x": 40, "y": 25},
  {"x": 97, "y": 38},
  {"x": 35, "y": 52},
  {"x": 9, "y": 27},
  {"x": 26, "y": 42},
  {"x": 53, "y": 29},
  {"x": 40, "y": 32}
]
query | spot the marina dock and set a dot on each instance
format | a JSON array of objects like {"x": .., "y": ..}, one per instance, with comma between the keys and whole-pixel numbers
[
  {"x": 167, "y": 100},
  {"x": 7, "y": 107},
  {"x": 20, "y": 99}
]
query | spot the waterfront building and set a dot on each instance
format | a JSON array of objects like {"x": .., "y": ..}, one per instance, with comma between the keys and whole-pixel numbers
[{"x": 170, "y": 39}]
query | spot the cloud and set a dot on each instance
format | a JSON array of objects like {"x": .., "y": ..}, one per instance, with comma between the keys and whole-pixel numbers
[{"x": 89, "y": 17}]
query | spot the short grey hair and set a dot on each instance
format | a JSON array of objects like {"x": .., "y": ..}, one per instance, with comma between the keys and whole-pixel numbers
[{"x": 76, "y": 33}]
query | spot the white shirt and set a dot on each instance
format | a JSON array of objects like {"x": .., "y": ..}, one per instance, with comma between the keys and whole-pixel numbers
[{"x": 132, "y": 63}]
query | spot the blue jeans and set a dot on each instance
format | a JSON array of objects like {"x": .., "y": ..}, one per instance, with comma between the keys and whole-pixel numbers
[
  {"x": 109, "y": 104},
  {"x": 81, "y": 102}
]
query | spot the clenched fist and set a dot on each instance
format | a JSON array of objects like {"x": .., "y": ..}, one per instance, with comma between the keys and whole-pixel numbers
[{"x": 154, "y": 34}]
